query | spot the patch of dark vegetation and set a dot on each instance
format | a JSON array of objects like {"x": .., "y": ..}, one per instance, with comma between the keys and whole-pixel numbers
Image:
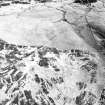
[
  {"x": 17, "y": 76},
  {"x": 44, "y": 50},
  {"x": 37, "y": 79},
  {"x": 43, "y": 62},
  {"x": 2, "y": 44},
  {"x": 85, "y": 59},
  {"x": 102, "y": 43},
  {"x": 43, "y": 1},
  {"x": 81, "y": 85},
  {"x": 85, "y": 1},
  {"x": 102, "y": 97},
  {"x": 86, "y": 98},
  {"x": 72, "y": 50},
  {"x": 8, "y": 80},
  {"x": 28, "y": 94},
  {"x": 49, "y": 83},
  {"x": 57, "y": 80},
  {"x": 6, "y": 70},
  {"x": 12, "y": 58},
  {"x": 55, "y": 51},
  {"x": 56, "y": 68},
  {"x": 28, "y": 54},
  {"x": 22, "y": 102},
  {"x": 14, "y": 70},
  {"x": 4, "y": 102},
  {"x": 4, "y": 4},
  {"x": 15, "y": 89},
  {"x": 91, "y": 99},
  {"x": 44, "y": 87},
  {"x": 35, "y": 103},
  {"x": 51, "y": 100},
  {"x": 21, "y": 46},
  {"x": 1, "y": 85},
  {"x": 11, "y": 47},
  {"x": 16, "y": 2},
  {"x": 8, "y": 87},
  {"x": 93, "y": 78},
  {"x": 27, "y": 102},
  {"x": 43, "y": 101},
  {"x": 60, "y": 80},
  {"x": 15, "y": 101},
  {"x": 1, "y": 47},
  {"x": 24, "y": 3},
  {"x": 80, "y": 99},
  {"x": 78, "y": 53}
]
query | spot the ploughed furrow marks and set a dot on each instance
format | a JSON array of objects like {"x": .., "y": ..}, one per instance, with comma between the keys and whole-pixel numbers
[
  {"x": 25, "y": 98},
  {"x": 38, "y": 75}
]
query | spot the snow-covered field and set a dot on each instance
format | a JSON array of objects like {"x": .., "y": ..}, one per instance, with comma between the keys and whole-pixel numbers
[{"x": 41, "y": 24}]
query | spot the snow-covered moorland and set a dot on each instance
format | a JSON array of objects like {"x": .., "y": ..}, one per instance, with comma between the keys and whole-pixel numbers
[{"x": 52, "y": 53}]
